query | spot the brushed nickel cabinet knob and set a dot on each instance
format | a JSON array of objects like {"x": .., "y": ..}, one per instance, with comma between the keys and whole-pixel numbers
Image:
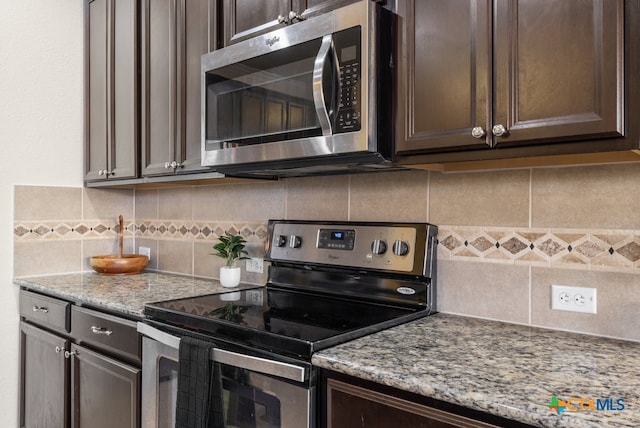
[
  {"x": 478, "y": 132},
  {"x": 499, "y": 130}
]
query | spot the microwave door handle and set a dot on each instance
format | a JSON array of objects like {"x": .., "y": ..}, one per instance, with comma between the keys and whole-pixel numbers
[{"x": 326, "y": 49}]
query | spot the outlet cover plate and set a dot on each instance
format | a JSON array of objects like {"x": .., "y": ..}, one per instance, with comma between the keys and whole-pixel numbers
[
  {"x": 574, "y": 299},
  {"x": 145, "y": 251}
]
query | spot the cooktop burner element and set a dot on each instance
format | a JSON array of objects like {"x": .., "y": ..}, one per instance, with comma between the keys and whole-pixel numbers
[{"x": 328, "y": 283}]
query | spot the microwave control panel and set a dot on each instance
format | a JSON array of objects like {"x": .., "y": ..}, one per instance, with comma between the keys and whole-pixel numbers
[{"x": 348, "y": 49}]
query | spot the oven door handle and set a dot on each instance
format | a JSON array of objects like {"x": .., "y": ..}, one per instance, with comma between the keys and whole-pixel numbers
[
  {"x": 257, "y": 364},
  {"x": 248, "y": 362},
  {"x": 158, "y": 335}
]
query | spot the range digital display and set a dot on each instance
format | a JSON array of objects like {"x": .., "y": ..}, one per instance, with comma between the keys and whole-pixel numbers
[{"x": 337, "y": 235}]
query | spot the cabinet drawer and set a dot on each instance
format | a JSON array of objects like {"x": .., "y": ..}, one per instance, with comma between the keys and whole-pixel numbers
[
  {"x": 45, "y": 311},
  {"x": 106, "y": 332}
]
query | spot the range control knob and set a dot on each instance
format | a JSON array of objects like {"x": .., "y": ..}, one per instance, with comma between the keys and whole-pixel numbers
[
  {"x": 295, "y": 241},
  {"x": 378, "y": 246},
  {"x": 280, "y": 241},
  {"x": 400, "y": 248}
]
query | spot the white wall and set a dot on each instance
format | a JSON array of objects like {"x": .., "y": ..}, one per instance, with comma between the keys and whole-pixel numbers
[{"x": 41, "y": 102}]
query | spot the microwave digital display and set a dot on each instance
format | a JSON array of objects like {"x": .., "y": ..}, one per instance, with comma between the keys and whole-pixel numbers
[{"x": 348, "y": 54}]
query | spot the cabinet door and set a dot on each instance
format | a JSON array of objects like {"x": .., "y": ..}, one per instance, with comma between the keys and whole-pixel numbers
[
  {"x": 124, "y": 115},
  {"x": 159, "y": 80},
  {"x": 175, "y": 34},
  {"x": 443, "y": 74},
  {"x": 110, "y": 89},
  {"x": 96, "y": 88},
  {"x": 105, "y": 392},
  {"x": 44, "y": 396},
  {"x": 244, "y": 19},
  {"x": 198, "y": 36},
  {"x": 558, "y": 70},
  {"x": 350, "y": 406}
]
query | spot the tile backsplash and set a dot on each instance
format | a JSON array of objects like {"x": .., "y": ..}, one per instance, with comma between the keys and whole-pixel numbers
[{"x": 505, "y": 236}]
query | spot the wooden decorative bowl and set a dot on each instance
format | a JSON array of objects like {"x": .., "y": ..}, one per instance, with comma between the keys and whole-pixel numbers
[{"x": 113, "y": 264}]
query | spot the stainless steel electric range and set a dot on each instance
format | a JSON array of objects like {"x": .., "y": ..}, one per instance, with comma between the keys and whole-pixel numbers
[{"x": 328, "y": 283}]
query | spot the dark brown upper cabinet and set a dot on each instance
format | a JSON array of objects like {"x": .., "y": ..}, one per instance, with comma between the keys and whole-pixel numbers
[
  {"x": 244, "y": 19},
  {"x": 482, "y": 79},
  {"x": 111, "y": 102},
  {"x": 175, "y": 33}
]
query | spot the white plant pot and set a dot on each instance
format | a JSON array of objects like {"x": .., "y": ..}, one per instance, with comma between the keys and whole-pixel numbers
[{"x": 229, "y": 276}]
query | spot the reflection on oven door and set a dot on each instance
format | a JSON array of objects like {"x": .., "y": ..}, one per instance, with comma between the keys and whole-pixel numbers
[
  {"x": 159, "y": 384},
  {"x": 252, "y": 400},
  {"x": 167, "y": 392}
]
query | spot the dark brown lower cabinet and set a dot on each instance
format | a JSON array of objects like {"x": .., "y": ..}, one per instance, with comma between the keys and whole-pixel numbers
[
  {"x": 349, "y": 402},
  {"x": 105, "y": 391},
  {"x": 80, "y": 368},
  {"x": 44, "y": 379}
]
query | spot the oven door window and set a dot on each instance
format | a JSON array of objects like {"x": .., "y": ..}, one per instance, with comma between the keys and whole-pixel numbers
[
  {"x": 253, "y": 400},
  {"x": 262, "y": 99}
]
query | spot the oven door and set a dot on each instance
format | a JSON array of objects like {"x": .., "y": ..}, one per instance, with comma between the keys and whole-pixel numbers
[{"x": 257, "y": 392}]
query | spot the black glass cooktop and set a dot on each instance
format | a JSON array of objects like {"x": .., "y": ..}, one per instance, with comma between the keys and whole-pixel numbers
[{"x": 283, "y": 321}]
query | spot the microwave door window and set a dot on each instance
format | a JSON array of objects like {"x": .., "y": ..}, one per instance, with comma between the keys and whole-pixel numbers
[{"x": 258, "y": 100}]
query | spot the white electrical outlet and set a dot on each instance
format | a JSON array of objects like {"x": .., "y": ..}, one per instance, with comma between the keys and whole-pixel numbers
[
  {"x": 255, "y": 264},
  {"x": 145, "y": 251},
  {"x": 575, "y": 299}
]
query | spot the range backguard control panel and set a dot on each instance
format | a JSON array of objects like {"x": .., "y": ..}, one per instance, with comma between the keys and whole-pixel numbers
[{"x": 392, "y": 247}]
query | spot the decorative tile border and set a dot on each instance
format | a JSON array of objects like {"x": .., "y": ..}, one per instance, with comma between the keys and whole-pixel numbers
[
  {"x": 608, "y": 249},
  {"x": 68, "y": 229},
  {"x": 168, "y": 229},
  {"x": 153, "y": 229},
  {"x": 617, "y": 250}
]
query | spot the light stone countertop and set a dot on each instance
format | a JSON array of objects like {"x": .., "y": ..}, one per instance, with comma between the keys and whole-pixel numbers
[
  {"x": 503, "y": 369},
  {"x": 126, "y": 294}
]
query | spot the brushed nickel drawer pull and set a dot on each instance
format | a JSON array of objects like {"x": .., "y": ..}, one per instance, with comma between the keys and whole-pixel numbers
[
  {"x": 68, "y": 354},
  {"x": 43, "y": 309},
  {"x": 101, "y": 330}
]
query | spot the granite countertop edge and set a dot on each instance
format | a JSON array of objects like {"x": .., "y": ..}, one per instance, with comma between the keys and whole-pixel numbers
[{"x": 123, "y": 294}]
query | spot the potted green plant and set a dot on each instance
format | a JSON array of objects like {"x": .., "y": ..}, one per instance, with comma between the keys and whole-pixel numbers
[{"x": 230, "y": 248}]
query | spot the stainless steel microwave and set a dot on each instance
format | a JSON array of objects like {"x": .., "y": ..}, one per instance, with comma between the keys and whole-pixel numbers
[{"x": 310, "y": 98}]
